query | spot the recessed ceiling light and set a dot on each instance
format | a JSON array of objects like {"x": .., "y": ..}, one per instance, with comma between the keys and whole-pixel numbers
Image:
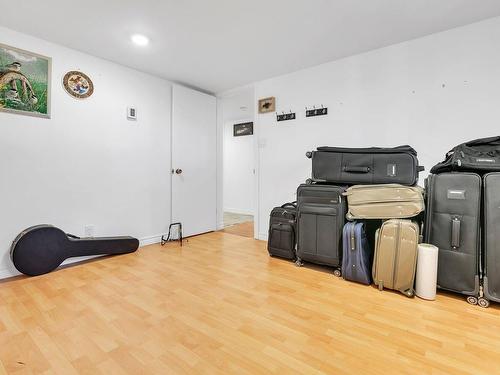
[{"x": 140, "y": 40}]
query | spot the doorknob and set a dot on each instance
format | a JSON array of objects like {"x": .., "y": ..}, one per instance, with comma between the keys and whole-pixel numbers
[{"x": 178, "y": 171}]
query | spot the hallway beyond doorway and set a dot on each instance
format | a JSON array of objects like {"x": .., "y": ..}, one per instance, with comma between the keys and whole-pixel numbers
[{"x": 238, "y": 224}]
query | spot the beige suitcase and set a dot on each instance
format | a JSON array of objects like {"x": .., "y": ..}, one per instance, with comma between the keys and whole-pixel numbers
[
  {"x": 395, "y": 258},
  {"x": 389, "y": 201}
]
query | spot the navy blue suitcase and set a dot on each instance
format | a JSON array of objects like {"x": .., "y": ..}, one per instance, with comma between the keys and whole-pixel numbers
[{"x": 356, "y": 260}]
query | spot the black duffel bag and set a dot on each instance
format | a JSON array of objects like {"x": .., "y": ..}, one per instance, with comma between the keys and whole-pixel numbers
[
  {"x": 479, "y": 155},
  {"x": 373, "y": 165}
]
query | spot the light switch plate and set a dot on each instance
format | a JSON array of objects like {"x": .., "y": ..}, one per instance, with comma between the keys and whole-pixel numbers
[{"x": 132, "y": 113}]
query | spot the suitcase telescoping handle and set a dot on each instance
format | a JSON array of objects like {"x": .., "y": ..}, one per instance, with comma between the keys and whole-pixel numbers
[
  {"x": 353, "y": 169},
  {"x": 455, "y": 232}
]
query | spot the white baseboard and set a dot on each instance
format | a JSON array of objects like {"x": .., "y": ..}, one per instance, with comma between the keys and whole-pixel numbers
[
  {"x": 150, "y": 240},
  {"x": 241, "y": 211},
  {"x": 144, "y": 241},
  {"x": 5, "y": 273},
  {"x": 262, "y": 236}
]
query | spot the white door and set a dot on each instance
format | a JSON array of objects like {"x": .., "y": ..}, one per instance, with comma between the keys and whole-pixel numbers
[{"x": 194, "y": 180}]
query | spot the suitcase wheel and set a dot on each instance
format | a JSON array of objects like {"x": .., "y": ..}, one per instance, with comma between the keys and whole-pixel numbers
[
  {"x": 337, "y": 272},
  {"x": 409, "y": 293},
  {"x": 483, "y": 302},
  {"x": 309, "y": 181},
  {"x": 472, "y": 300},
  {"x": 309, "y": 154},
  {"x": 299, "y": 263}
]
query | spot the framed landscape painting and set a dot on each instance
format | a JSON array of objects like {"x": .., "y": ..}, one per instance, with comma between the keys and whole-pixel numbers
[{"x": 24, "y": 82}]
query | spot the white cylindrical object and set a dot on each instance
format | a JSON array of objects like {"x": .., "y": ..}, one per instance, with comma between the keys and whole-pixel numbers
[{"x": 427, "y": 267}]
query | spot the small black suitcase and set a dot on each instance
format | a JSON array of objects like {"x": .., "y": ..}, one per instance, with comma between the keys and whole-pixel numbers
[
  {"x": 373, "y": 165},
  {"x": 321, "y": 213},
  {"x": 453, "y": 225},
  {"x": 282, "y": 238}
]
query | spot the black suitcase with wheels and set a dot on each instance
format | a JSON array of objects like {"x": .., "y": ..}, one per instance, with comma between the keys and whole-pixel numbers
[
  {"x": 373, "y": 165},
  {"x": 491, "y": 242},
  {"x": 321, "y": 213},
  {"x": 282, "y": 233},
  {"x": 453, "y": 225}
]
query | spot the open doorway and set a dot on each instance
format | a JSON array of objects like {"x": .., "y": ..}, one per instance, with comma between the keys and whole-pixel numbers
[{"x": 238, "y": 162}]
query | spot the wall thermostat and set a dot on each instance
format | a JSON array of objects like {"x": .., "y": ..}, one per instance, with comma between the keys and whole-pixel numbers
[{"x": 131, "y": 113}]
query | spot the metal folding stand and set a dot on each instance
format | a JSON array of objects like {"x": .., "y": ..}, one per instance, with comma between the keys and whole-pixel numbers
[{"x": 168, "y": 239}]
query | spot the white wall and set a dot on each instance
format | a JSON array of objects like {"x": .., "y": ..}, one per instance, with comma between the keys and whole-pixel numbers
[
  {"x": 431, "y": 93},
  {"x": 238, "y": 170},
  {"x": 88, "y": 164}
]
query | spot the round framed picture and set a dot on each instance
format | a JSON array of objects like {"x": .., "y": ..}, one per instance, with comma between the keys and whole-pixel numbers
[{"x": 78, "y": 84}]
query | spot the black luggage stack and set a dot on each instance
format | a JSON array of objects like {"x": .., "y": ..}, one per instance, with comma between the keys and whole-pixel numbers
[
  {"x": 336, "y": 169},
  {"x": 321, "y": 205},
  {"x": 463, "y": 220}
]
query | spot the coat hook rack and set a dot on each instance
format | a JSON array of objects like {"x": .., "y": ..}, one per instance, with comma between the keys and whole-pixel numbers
[
  {"x": 285, "y": 116},
  {"x": 312, "y": 112}
]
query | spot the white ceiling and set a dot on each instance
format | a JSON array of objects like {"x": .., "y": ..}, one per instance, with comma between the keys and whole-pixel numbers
[{"x": 216, "y": 45}]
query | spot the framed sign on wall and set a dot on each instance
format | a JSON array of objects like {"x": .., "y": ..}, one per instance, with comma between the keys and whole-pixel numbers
[{"x": 242, "y": 129}]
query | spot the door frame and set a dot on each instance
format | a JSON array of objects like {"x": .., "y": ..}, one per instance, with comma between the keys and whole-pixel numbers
[{"x": 220, "y": 157}]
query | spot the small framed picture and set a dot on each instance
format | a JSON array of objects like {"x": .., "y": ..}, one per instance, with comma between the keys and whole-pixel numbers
[
  {"x": 267, "y": 105},
  {"x": 242, "y": 129},
  {"x": 131, "y": 113}
]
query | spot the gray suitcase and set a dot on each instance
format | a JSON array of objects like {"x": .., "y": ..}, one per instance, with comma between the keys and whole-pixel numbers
[
  {"x": 321, "y": 213},
  {"x": 491, "y": 272},
  {"x": 453, "y": 225},
  {"x": 372, "y": 165}
]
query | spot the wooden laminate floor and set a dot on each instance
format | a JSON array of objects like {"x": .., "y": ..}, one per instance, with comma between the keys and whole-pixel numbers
[
  {"x": 242, "y": 229},
  {"x": 220, "y": 305}
]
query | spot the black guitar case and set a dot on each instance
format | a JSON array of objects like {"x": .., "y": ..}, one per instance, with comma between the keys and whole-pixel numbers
[{"x": 42, "y": 248}]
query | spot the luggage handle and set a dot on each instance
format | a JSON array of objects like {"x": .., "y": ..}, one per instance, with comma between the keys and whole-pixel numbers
[
  {"x": 455, "y": 232},
  {"x": 353, "y": 169},
  {"x": 290, "y": 205},
  {"x": 484, "y": 142}
]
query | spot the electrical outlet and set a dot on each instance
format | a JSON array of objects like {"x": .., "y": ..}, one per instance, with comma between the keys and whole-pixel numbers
[{"x": 89, "y": 230}]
